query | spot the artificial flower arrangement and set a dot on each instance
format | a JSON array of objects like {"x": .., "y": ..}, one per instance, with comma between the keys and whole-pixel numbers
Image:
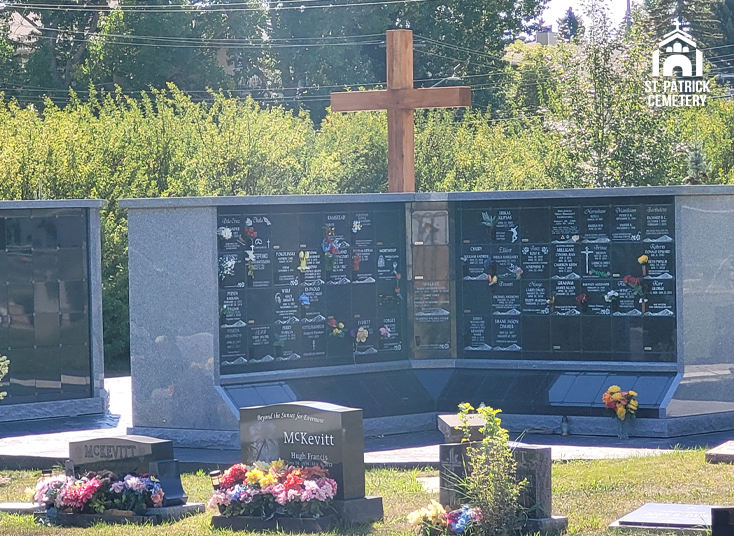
[
  {"x": 435, "y": 519},
  {"x": 622, "y": 403},
  {"x": 635, "y": 283},
  {"x": 96, "y": 493},
  {"x": 269, "y": 489}
]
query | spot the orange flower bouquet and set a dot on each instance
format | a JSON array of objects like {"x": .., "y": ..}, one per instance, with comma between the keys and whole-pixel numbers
[{"x": 622, "y": 403}]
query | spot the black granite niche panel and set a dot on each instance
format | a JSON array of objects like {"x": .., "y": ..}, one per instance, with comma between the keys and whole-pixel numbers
[
  {"x": 567, "y": 279},
  {"x": 298, "y": 282},
  {"x": 44, "y": 304}
]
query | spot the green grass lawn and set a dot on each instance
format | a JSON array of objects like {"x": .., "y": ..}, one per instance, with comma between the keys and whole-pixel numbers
[{"x": 592, "y": 494}]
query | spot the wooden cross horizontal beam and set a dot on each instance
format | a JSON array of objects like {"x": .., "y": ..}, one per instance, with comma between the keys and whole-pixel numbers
[{"x": 403, "y": 99}]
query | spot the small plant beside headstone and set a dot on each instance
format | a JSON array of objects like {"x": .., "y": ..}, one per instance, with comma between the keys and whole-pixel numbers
[{"x": 487, "y": 487}]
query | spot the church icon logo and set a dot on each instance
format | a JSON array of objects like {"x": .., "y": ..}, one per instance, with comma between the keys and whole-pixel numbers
[{"x": 676, "y": 51}]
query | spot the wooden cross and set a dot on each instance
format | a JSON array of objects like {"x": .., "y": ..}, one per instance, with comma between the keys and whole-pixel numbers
[{"x": 400, "y": 100}]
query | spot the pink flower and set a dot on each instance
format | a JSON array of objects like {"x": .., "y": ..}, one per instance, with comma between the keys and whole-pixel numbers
[
  {"x": 218, "y": 498},
  {"x": 135, "y": 484},
  {"x": 117, "y": 487}
]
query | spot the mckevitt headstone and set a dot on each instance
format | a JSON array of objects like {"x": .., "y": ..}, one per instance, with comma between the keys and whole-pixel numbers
[
  {"x": 125, "y": 454},
  {"x": 314, "y": 433},
  {"x": 668, "y": 516},
  {"x": 130, "y": 454}
]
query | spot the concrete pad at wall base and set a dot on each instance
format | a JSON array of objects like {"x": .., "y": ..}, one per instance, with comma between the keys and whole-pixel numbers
[{"x": 58, "y": 408}]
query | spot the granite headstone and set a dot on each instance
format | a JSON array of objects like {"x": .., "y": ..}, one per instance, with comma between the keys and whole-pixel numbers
[
  {"x": 722, "y": 521},
  {"x": 130, "y": 454},
  {"x": 125, "y": 454},
  {"x": 306, "y": 434},
  {"x": 533, "y": 464}
]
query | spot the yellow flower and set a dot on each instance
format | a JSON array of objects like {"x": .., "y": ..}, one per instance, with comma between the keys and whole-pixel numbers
[
  {"x": 268, "y": 480},
  {"x": 341, "y": 325},
  {"x": 633, "y": 393},
  {"x": 254, "y": 476},
  {"x": 29, "y": 492},
  {"x": 621, "y": 412},
  {"x": 277, "y": 465},
  {"x": 617, "y": 396},
  {"x": 643, "y": 259},
  {"x": 614, "y": 389},
  {"x": 633, "y": 404}
]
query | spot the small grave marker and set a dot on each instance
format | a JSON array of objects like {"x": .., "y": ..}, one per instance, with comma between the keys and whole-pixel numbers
[
  {"x": 130, "y": 454},
  {"x": 724, "y": 453},
  {"x": 668, "y": 516},
  {"x": 533, "y": 463}
]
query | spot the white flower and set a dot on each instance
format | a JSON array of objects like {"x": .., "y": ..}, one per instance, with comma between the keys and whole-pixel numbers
[{"x": 225, "y": 232}]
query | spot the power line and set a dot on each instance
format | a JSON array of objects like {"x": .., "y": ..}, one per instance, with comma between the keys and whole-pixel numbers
[{"x": 218, "y": 8}]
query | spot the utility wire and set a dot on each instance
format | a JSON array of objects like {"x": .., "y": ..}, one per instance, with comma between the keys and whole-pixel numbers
[{"x": 218, "y": 8}]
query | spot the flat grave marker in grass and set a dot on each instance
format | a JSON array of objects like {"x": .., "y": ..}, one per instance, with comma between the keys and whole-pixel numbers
[
  {"x": 724, "y": 453},
  {"x": 675, "y": 517}
]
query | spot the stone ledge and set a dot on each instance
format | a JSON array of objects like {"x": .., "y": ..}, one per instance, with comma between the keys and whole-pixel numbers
[
  {"x": 549, "y": 526},
  {"x": 48, "y": 410}
]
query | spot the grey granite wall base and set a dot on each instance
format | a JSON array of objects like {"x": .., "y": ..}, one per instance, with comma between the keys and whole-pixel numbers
[
  {"x": 193, "y": 439},
  {"x": 59, "y": 408},
  {"x": 400, "y": 424},
  {"x": 607, "y": 426}
]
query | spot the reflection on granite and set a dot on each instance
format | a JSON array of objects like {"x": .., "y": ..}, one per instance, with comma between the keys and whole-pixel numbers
[
  {"x": 173, "y": 321},
  {"x": 706, "y": 273}
]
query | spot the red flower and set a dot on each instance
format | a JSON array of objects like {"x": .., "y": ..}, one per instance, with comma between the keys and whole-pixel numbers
[
  {"x": 626, "y": 279},
  {"x": 233, "y": 476},
  {"x": 292, "y": 481},
  {"x": 611, "y": 404},
  {"x": 398, "y": 276},
  {"x": 581, "y": 299},
  {"x": 332, "y": 323},
  {"x": 249, "y": 231}
]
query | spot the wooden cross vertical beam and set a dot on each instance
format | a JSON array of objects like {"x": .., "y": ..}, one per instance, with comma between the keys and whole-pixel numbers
[
  {"x": 400, "y": 121},
  {"x": 400, "y": 100}
]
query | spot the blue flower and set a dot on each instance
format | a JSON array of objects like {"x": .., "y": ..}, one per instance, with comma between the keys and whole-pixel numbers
[{"x": 305, "y": 300}]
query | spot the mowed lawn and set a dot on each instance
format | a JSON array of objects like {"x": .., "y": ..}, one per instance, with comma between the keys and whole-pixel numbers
[{"x": 592, "y": 494}]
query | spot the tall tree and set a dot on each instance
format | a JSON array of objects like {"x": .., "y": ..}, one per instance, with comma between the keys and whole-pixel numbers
[
  {"x": 698, "y": 15},
  {"x": 139, "y": 46},
  {"x": 570, "y": 26},
  {"x": 60, "y": 39}
]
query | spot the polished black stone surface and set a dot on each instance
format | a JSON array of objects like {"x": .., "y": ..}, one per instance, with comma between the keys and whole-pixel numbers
[
  {"x": 44, "y": 304},
  {"x": 406, "y": 392},
  {"x": 574, "y": 256},
  {"x": 304, "y": 279}
]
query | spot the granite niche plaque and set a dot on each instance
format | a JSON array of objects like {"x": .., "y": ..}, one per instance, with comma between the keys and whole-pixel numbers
[{"x": 314, "y": 433}]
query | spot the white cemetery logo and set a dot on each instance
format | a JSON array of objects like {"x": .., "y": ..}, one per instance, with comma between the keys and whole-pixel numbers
[{"x": 682, "y": 81}]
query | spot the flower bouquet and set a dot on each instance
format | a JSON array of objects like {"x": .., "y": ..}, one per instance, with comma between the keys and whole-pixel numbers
[
  {"x": 434, "y": 520},
  {"x": 274, "y": 493},
  {"x": 98, "y": 493},
  {"x": 622, "y": 404}
]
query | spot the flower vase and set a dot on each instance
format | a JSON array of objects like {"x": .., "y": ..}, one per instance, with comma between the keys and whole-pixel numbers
[
  {"x": 644, "y": 270},
  {"x": 623, "y": 429}
]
